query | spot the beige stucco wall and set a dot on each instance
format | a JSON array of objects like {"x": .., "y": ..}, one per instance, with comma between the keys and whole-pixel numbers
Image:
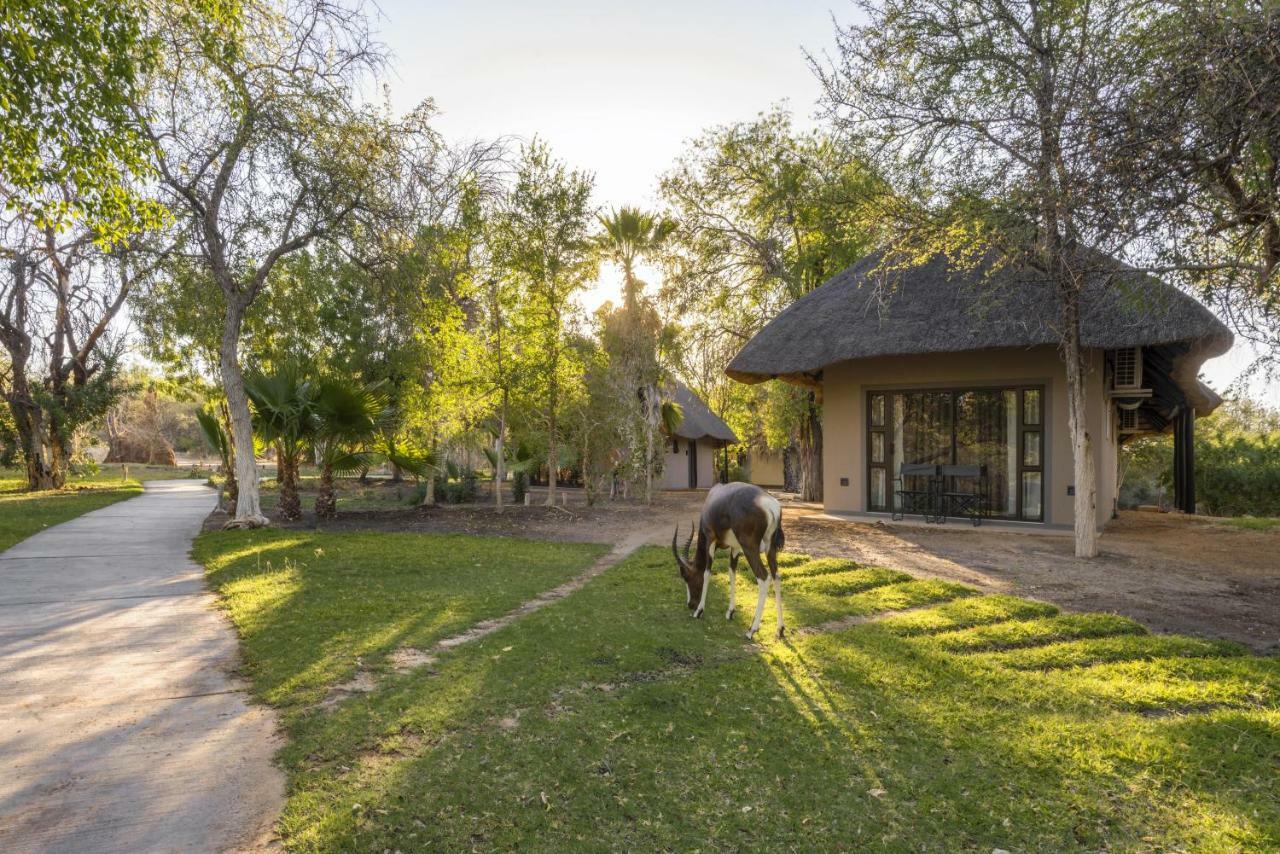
[
  {"x": 844, "y": 418},
  {"x": 764, "y": 468},
  {"x": 675, "y": 469}
]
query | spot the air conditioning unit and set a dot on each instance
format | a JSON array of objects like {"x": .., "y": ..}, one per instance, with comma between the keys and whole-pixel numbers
[
  {"x": 1127, "y": 369},
  {"x": 1127, "y": 420}
]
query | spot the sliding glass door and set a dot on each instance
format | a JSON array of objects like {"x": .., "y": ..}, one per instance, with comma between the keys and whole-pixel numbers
[{"x": 997, "y": 428}]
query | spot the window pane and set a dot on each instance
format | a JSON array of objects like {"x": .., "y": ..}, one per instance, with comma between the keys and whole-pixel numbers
[
  {"x": 877, "y": 410},
  {"x": 1031, "y": 449},
  {"x": 986, "y": 435},
  {"x": 1031, "y": 406},
  {"x": 1032, "y": 487},
  {"x": 877, "y": 489},
  {"x": 877, "y": 447}
]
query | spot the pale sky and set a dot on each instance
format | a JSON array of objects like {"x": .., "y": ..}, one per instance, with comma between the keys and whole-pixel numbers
[{"x": 617, "y": 88}]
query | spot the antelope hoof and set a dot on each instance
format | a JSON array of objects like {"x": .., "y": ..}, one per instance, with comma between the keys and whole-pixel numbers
[
  {"x": 697, "y": 615},
  {"x": 782, "y": 632},
  {"x": 751, "y": 634},
  {"x": 729, "y": 614}
]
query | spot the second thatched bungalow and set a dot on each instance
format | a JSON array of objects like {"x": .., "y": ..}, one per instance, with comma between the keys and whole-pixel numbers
[{"x": 930, "y": 374}]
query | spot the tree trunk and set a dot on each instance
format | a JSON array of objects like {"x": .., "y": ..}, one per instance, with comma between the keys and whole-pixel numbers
[
  {"x": 552, "y": 450},
  {"x": 651, "y": 395},
  {"x": 498, "y": 450},
  {"x": 248, "y": 511},
  {"x": 811, "y": 451},
  {"x": 287, "y": 474},
  {"x": 1086, "y": 484},
  {"x": 326, "y": 502}
]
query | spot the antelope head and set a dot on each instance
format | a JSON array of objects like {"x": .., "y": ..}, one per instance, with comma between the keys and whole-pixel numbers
[{"x": 691, "y": 575}]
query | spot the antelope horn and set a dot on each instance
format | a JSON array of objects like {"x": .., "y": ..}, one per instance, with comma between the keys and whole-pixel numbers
[
  {"x": 689, "y": 541},
  {"x": 674, "y": 550}
]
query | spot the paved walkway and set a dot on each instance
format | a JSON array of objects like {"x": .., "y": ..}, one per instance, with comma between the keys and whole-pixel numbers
[{"x": 122, "y": 727}]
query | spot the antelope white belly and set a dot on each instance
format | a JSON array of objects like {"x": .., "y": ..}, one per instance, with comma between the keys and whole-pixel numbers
[{"x": 731, "y": 543}]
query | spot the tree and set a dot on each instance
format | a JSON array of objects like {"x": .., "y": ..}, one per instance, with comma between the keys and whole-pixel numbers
[
  {"x": 632, "y": 334},
  {"x": 285, "y": 416},
  {"x": 766, "y": 215},
  {"x": 349, "y": 416},
  {"x": 1199, "y": 140},
  {"x": 71, "y": 70},
  {"x": 263, "y": 150},
  {"x": 541, "y": 238},
  {"x": 64, "y": 290}
]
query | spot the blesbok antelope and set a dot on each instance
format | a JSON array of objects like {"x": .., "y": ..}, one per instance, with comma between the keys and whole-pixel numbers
[{"x": 746, "y": 520}]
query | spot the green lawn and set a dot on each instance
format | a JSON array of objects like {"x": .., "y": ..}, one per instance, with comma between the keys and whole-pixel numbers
[
  {"x": 1252, "y": 523},
  {"x": 25, "y": 513},
  {"x": 612, "y": 720}
]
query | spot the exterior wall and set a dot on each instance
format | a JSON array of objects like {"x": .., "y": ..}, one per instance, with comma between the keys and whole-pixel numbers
[
  {"x": 675, "y": 470},
  {"x": 845, "y": 388},
  {"x": 764, "y": 468}
]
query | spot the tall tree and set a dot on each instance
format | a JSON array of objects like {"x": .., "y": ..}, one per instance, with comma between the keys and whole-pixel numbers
[
  {"x": 1199, "y": 141},
  {"x": 264, "y": 150},
  {"x": 632, "y": 334},
  {"x": 766, "y": 215},
  {"x": 542, "y": 238},
  {"x": 65, "y": 288},
  {"x": 988, "y": 115}
]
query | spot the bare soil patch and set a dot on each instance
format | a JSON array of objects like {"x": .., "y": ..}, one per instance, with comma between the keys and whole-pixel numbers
[{"x": 1186, "y": 574}]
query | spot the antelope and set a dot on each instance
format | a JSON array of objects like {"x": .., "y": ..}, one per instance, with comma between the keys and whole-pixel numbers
[{"x": 746, "y": 520}]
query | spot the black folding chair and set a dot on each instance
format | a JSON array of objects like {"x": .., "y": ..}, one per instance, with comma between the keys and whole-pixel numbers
[
  {"x": 953, "y": 501},
  {"x": 922, "y": 501}
]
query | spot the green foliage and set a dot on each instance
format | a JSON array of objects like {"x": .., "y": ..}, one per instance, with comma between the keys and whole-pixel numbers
[
  {"x": 72, "y": 70},
  {"x": 767, "y": 214},
  {"x": 1237, "y": 463}
]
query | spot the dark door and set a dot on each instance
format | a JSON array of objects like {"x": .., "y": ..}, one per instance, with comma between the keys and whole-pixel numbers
[{"x": 693, "y": 464}]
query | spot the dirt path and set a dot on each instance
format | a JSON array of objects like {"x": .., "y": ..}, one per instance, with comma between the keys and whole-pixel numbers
[{"x": 122, "y": 725}]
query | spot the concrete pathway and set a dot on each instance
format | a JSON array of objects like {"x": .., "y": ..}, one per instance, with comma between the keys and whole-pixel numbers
[{"x": 122, "y": 726}]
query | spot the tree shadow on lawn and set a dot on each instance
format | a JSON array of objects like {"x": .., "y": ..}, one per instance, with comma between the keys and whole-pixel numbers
[
  {"x": 577, "y": 726},
  {"x": 313, "y": 609}
]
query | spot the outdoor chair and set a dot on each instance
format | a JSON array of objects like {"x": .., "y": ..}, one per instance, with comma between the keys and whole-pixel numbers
[
  {"x": 922, "y": 501},
  {"x": 953, "y": 501}
]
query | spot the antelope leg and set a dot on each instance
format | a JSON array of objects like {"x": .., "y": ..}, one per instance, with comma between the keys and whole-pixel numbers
[
  {"x": 777, "y": 592},
  {"x": 733, "y": 583},
  {"x": 702, "y": 603},
  {"x": 764, "y": 594}
]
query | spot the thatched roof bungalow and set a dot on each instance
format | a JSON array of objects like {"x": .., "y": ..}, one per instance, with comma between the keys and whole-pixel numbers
[
  {"x": 691, "y": 448},
  {"x": 939, "y": 365}
]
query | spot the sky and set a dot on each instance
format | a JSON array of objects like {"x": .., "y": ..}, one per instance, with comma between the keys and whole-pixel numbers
[{"x": 617, "y": 89}]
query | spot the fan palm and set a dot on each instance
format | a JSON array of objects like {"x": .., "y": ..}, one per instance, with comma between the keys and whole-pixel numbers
[
  {"x": 349, "y": 416},
  {"x": 217, "y": 437},
  {"x": 629, "y": 235},
  {"x": 284, "y": 416}
]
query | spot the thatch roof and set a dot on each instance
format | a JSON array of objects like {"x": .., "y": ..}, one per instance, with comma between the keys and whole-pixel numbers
[
  {"x": 699, "y": 421},
  {"x": 867, "y": 311}
]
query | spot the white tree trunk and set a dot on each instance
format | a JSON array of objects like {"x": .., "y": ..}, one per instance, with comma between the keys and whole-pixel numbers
[
  {"x": 248, "y": 507},
  {"x": 1086, "y": 483}
]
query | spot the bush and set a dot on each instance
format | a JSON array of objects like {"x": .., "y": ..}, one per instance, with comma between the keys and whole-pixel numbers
[
  {"x": 520, "y": 486},
  {"x": 1237, "y": 464},
  {"x": 461, "y": 491}
]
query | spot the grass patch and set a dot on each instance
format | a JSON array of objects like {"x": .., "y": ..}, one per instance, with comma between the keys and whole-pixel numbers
[
  {"x": 1252, "y": 523},
  {"x": 611, "y": 720},
  {"x": 25, "y": 513},
  {"x": 312, "y": 608}
]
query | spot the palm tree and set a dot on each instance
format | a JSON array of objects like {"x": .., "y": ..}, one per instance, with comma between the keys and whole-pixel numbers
[
  {"x": 284, "y": 416},
  {"x": 220, "y": 441},
  {"x": 630, "y": 235},
  {"x": 349, "y": 416}
]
